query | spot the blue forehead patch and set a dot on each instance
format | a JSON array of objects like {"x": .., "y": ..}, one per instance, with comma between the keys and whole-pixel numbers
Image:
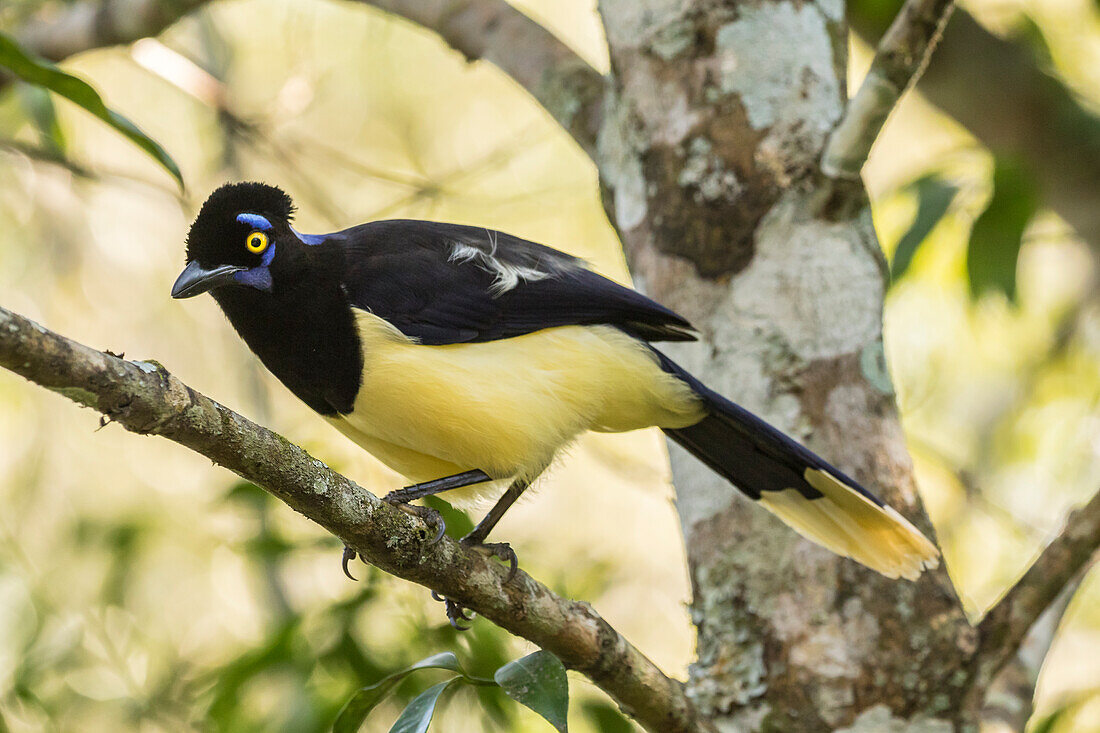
[{"x": 255, "y": 221}]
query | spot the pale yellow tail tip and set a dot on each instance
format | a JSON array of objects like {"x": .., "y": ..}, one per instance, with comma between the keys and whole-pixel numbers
[{"x": 846, "y": 522}]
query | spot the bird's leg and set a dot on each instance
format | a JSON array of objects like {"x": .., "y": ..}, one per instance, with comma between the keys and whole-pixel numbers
[
  {"x": 401, "y": 498},
  {"x": 476, "y": 541},
  {"x": 476, "y": 538},
  {"x": 436, "y": 486}
]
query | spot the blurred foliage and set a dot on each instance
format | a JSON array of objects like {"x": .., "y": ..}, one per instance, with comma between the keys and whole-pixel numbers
[
  {"x": 934, "y": 196},
  {"x": 998, "y": 233},
  {"x": 142, "y": 589},
  {"x": 44, "y": 75}
]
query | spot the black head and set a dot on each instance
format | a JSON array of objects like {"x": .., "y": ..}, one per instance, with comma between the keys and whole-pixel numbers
[{"x": 241, "y": 236}]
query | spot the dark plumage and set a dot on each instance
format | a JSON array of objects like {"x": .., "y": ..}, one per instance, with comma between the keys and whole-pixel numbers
[
  {"x": 447, "y": 283},
  {"x": 460, "y": 356},
  {"x": 217, "y": 219}
]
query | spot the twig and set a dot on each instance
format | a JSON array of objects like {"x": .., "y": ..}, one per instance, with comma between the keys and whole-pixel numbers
[
  {"x": 551, "y": 72},
  {"x": 560, "y": 80},
  {"x": 86, "y": 24},
  {"x": 899, "y": 61},
  {"x": 1009, "y": 700},
  {"x": 1006, "y": 625},
  {"x": 146, "y": 399}
]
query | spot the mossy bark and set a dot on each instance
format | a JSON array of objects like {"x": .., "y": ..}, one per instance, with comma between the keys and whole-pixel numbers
[{"x": 709, "y": 158}]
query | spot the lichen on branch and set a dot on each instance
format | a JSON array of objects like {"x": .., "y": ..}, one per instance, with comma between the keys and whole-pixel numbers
[{"x": 145, "y": 398}]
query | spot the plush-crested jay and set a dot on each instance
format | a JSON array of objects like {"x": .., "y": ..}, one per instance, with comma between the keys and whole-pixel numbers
[{"x": 466, "y": 358}]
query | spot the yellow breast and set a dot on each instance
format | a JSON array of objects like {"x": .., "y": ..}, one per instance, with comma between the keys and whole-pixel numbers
[{"x": 505, "y": 407}]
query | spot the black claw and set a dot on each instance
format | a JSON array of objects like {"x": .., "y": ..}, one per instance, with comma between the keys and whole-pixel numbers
[
  {"x": 501, "y": 550},
  {"x": 507, "y": 554},
  {"x": 349, "y": 554},
  {"x": 456, "y": 612},
  {"x": 436, "y": 518}
]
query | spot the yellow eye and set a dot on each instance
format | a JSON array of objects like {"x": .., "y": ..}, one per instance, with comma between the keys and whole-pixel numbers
[{"x": 256, "y": 242}]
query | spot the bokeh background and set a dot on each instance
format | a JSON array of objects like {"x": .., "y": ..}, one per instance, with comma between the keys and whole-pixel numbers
[{"x": 143, "y": 589}]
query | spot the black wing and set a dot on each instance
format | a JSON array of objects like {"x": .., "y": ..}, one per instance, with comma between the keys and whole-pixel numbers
[{"x": 447, "y": 283}]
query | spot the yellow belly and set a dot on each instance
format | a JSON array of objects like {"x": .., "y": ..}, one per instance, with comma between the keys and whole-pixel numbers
[{"x": 505, "y": 407}]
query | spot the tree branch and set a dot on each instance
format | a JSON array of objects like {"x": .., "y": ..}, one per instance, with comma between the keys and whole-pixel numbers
[
  {"x": 551, "y": 72},
  {"x": 58, "y": 33},
  {"x": 997, "y": 90},
  {"x": 1006, "y": 625},
  {"x": 88, "y": 24},
  {"x": 1009, "y": 700},
  {"x": 899, "y": 61},
  {"x": 560, "y": 80},
  {"x": 146, "y": 399}
]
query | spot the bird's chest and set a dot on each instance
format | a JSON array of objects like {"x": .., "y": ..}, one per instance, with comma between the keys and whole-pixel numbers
[
  {"x": 308, "y": 342},
  {"x": 504, "y": 406}
]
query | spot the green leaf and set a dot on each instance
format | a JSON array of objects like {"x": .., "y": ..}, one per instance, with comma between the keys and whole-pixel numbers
[
  {"x": 458, "y": 522},
  {"x": 42, "y": 73},
  {"x": 40, "y": 108},
  {"x": 934, "y": 197},
  {"x": 998, "y": 233},
  {"x": 1064, "y": 713},
  {"x": 417, "y": 715},
  {"x": 366, "y": 699},
  {"x": 539, "y": 682}
]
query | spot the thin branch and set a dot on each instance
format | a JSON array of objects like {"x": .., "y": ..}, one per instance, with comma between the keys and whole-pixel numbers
[
  {"x": 1010, "y": 699},
  {"x": 1007, "y": 624},
  {"x": 899, "y": 61},
  {"x": 60, "y": 32},
  {"x": 560, "y": 80},
  {"x": 146, "y": 399},
  {"x": 551, "y": 72},
  {"x": 87, "y": 24}
]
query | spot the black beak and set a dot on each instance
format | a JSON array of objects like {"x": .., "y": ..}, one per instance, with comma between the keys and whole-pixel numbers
[{"x": 196, "y": 279}]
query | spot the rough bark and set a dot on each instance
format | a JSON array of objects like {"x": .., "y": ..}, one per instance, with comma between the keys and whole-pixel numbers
[
  {"x": 144, "y": 398},
  {"x": 710, "y": 132},
  {"x": 710, "y": 161}
]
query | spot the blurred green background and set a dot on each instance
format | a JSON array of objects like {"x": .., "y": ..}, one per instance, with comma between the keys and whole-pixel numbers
[{"x": 143, "y": 589}]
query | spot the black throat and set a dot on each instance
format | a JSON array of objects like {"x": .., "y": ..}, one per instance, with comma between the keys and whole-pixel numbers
[{"x": 304, "y": 332}]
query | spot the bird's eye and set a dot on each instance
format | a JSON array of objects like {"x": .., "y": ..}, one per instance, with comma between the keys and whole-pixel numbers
[{"x": 256, "y": 242}]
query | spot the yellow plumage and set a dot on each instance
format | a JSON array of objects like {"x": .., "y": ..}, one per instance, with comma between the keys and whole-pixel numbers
[
  {"x": 849, "y": 524},
  {"x": 505, "y": 407}
]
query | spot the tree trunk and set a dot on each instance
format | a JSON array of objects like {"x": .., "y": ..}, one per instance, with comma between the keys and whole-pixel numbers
[
  {"x": 709, "y": 158},
  {"x": 711, "y": 128}
]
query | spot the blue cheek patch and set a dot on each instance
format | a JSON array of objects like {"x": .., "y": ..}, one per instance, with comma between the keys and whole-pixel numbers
[
  {"x": 255, "y": 221},
  {"x": 258, "y": 277}
]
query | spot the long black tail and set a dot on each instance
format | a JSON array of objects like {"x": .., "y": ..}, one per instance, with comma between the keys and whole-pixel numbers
[{"x": 814, "y": 498}]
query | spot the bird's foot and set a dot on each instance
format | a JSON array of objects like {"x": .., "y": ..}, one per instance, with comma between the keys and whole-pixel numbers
[
  {"x": 456, "y": 612},
  {"x": 426, "y": 514},
  {"x": 500, "y": 550},
  {"x": 349, "y": 555}
]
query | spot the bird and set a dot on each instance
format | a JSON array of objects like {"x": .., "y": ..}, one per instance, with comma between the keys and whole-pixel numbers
[{"x": 466, "y": 359}]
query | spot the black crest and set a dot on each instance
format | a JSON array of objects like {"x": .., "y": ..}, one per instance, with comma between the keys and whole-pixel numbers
[{"x": 217, "y": 225}]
